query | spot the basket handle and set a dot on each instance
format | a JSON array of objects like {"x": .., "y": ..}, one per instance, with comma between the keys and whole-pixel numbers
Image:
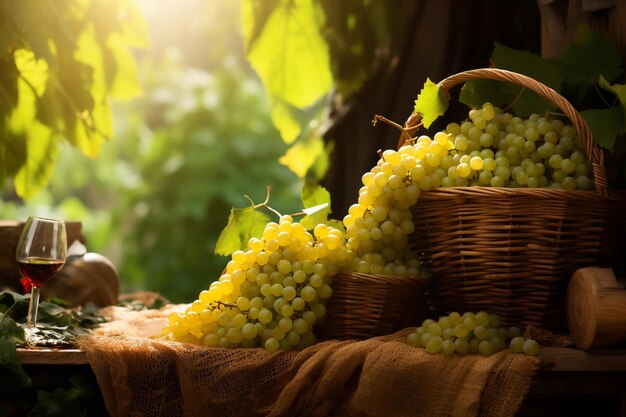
[{"x": 595, "y": 154}]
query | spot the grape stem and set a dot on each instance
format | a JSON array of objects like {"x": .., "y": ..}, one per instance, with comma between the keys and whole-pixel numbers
[
  {"x": 266, "y": 202},
  {"x": 266, "y": 205},
  {"x": 220, "y": 304},
  {"x": 404, "y": 131}
]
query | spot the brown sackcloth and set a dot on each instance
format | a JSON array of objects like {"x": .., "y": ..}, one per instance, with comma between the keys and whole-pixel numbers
[{"x": 141, "y": 376}]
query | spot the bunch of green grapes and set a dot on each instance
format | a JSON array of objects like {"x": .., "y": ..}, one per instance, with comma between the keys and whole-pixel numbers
[
  {"x": 470, "y": 333},
  {"x": 491, "y": 148},
  {"x": 269, "y": 296},
  {"x": 494, "y": 148}
]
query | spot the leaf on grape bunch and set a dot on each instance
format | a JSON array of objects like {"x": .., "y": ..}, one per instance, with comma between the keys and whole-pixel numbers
[
  {"x": 243, "y": 224},
  {"x": 431, "y": 103},
  {"x": 316, "y": 201}
]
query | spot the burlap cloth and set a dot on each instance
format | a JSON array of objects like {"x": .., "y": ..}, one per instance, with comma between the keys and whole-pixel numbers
[{"x": 141, "y": 376}]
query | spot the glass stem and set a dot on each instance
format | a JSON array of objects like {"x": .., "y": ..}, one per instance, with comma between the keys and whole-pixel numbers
[{"x": 32, "y": 307}]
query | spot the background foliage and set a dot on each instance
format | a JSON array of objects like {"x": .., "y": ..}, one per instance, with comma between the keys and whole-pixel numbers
[
  {"x": 60, "y": 62},
  {"x": 186, "y": 151}
]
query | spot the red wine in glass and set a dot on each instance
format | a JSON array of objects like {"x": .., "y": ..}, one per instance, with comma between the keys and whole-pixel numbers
[
  {"x": 40, "y": 254},
  {"x": 39, "y": 270}
]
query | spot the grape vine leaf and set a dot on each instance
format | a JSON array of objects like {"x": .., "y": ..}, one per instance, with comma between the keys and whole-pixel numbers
[
  {"x": 503, "y": 94},
  {"x": 12, "y": 374},
  {"x": 275, "y": 52},
  {"x": 68, "y": 58},
  {"x": 592, "y": 55},
  {"x": 243, "y": 224},
  {"x": 301, "y": 156},
  {"x": 431, "y": 103},
  {"x": 314, "y": 196},
  {"x": 606, "y": 125},
  {"x": 618, "y": 89}
]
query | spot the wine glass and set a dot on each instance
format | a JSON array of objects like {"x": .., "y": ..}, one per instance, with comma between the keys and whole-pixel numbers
[{"x": 40, "y": 254}]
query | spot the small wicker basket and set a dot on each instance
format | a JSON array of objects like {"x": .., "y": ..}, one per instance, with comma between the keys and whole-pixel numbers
[
  {"x": 511, "y": 251},
  {"x": 364, "y": 306}
]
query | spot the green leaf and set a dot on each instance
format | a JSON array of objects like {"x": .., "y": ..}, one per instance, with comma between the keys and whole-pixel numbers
[
  {"x": 34, "y": 148},
  {"x": 243, "y": 224},
  {"x": 285, "y": 119},
  {"x": 314, "y": 195},
  {"x": 291, "y": 58},
  {"x": 298, "y": 78},
  {"x": 301, "y": 156},
  {"x": 527, "y": 63},
  {"x": 605, "y": 125},
  {"x": 12, "y": 374},
  {"x": 431, "y": 103},
  {"x": 592, "y": 55},
  {"x": 504, "y": 94},
  {"x": 475, "y": 93},
  {"x": 618, "y": 89}
]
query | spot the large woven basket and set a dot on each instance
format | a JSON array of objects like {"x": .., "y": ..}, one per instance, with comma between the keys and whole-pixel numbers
[
  {"x": 364, "y": 306},
  {"x": 511, "y": 251}
]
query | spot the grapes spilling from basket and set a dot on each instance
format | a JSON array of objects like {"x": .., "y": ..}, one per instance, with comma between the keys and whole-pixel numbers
[
  {"x": 273, "y": 293},
  {"x": 270, "y": 295},
  {"x": 491, "y": 148},
  {"x": 470, "y": 333}
]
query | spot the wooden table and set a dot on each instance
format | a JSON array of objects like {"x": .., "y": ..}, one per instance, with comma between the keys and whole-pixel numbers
[{"x": 570, "y": 382}]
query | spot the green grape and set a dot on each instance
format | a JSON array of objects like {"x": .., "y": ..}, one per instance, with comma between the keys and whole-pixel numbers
[
  {"x": 485, "y": 348},
  {"x": 434, "y": 345},
  {"x": 531, "y": 347},
  {"x": 461, "y": 346},
  {"x": 414, "y": 339},
  {"x": 480, "y": 332},
  {"x": 473, "y": 346},
  {"x": 482, "y": 318},
  {"x": 308, "y": 294},
  {"x": 455, "y": 318},
  {"x": 249, "y": 331},
  {"x": 494, "y": 320},
  {"x": 469, "y": 323},
  {"x": 211, "y": 340},
  {"x": 461, "y": 331},
  {"x": 271, "y": 345},
  {"x": 497, "y": 343},
  {"x": 234, "y": 335},
  {"x": 447, "y": 347},
  {"x": 517, "y": 344},
  {"x": 514, "y": 332},
  {"x": 434, "y": 329},
  {"x": 448, "y": 333},
  {"x": 300, "y": 326},
  {"x": 265, "y": 316}
]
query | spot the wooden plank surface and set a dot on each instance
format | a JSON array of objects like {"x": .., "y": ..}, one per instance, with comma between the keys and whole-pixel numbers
[
  {"x": 574, "y": 360},
  {"x": 45, "y": 356}
]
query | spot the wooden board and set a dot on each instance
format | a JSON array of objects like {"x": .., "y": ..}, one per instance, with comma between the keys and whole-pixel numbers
[
  {"x": 574, "y": 360},
  {"x": 47, "y": 356}
]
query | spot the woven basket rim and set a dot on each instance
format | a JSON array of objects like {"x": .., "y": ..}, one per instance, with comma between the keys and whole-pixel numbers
[{"x": 540, "y": 192}]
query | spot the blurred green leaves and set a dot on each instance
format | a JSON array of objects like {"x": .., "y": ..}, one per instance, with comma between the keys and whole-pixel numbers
[
  {"x": 61, "y": 62},
  {"x": 191, "y": 148},
  {"x": 304, "y": 49}
]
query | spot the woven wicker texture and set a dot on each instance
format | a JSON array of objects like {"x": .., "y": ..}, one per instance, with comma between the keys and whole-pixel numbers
[
  {"x": 364, "y": 306},
  {"x": 375, "y": 377},
  {"x": 512, "y": 251}
]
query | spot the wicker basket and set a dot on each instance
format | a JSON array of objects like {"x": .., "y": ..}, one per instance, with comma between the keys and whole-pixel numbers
[
  {"x": 511, "y": 251},
  {"x": 364, "y": 306}
]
